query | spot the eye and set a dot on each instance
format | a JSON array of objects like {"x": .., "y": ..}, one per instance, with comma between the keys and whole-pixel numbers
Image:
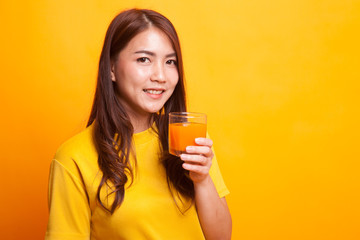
[
  {"x": 171, "y": 62},
  {"x": 143, "y": 60}
]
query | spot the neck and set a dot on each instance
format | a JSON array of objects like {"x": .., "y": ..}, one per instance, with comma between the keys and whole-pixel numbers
[{"x": 140, "y": 122}]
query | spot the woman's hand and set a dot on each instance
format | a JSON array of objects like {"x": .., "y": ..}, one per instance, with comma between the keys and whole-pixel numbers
[{"x": 198, "y": 159}]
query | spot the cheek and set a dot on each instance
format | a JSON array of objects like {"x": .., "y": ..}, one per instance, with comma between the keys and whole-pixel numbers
[
  {"x": 140, "y": 73},
  {"x": 174, "y": 78},
  {"x": 173, "y": 86},
  {"x": 175, "y": 83},
  {"x": 133, "y": 72}
]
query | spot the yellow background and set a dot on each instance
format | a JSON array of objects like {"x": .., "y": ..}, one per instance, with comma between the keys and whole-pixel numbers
[{"x": 278, "y": 79}]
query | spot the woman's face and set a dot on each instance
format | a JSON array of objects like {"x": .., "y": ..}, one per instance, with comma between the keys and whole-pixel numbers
[{"x": 145, "y": 73}]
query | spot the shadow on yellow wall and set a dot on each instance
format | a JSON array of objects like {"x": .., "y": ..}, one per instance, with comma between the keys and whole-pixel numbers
[{"x": 278, "y": 80}]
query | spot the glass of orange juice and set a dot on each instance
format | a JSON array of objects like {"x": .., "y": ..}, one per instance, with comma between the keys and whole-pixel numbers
[{"x": 184, "y": 127}]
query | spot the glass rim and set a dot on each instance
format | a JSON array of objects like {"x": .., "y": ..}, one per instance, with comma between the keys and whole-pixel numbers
[{"x": 187, "y": 114}]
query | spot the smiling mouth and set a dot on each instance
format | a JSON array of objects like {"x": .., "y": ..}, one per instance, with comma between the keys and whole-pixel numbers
[{"x": 151, "y": 91}]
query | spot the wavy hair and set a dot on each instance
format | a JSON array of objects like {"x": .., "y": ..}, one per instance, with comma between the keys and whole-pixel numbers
[{"x": 113, "y": 130}]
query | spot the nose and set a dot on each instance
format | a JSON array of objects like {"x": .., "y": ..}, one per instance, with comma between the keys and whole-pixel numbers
[{"x": 158, "y": 73}]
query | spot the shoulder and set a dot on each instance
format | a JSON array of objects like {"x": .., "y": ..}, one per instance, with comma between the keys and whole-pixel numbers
[{"x": 77, "y": 148}]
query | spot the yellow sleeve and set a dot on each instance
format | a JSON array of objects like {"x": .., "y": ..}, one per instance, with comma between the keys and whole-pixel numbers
[
  {"x": 69, "y": 211},
  {"x": 218, "y": 179}
]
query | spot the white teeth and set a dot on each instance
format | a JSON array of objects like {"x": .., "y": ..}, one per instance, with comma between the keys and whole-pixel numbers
[{"x": 154, "y": 91}]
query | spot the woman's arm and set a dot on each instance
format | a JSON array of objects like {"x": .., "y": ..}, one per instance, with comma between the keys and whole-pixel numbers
[
  {"x": 213, "y": 212},
  {"x": 69, "y": 211}
]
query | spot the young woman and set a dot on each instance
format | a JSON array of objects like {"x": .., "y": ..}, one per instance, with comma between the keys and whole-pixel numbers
[{"x": 116, "y": 179}]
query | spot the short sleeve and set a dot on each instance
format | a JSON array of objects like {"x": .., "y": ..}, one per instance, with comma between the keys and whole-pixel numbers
[
  {"x": 217, "y": 177},
  {"x": 69, "y": 211}
]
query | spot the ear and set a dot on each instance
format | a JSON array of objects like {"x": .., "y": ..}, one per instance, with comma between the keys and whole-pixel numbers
[{"x": 113, "y": 72}]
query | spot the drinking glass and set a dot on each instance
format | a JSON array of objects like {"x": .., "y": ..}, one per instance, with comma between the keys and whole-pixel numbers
[{"x": 184, "y": 127}]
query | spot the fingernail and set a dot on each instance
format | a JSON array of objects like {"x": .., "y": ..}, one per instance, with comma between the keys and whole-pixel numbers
[{"x": 198, "y": 140}]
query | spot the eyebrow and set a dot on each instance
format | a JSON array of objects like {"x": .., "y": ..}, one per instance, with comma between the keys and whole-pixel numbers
[{"x": 153, "y": 54}]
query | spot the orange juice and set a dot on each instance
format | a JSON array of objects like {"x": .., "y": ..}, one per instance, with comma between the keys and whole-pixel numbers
[{"x": 182, "y": 135}]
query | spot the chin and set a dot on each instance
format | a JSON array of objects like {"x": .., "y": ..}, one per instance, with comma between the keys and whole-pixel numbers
[{"x": 154, "y": 109}]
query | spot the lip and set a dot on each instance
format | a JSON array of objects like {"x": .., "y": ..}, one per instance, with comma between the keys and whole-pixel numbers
[{"x": 154, "y": 95}]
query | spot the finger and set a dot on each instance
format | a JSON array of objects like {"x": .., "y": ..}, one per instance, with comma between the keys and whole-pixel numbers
[
  {"x": 196, "y": 168},
  {"x": 204, "y": 150},
  {"x": 204, "y": 141},
  {"x": 195, "y": 159}
]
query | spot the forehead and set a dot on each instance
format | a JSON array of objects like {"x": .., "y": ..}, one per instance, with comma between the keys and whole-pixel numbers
[{"x": 150, "y": 39}]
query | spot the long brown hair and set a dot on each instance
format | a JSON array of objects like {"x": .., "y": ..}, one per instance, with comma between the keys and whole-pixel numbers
[{"x": 112, "y": 127}]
